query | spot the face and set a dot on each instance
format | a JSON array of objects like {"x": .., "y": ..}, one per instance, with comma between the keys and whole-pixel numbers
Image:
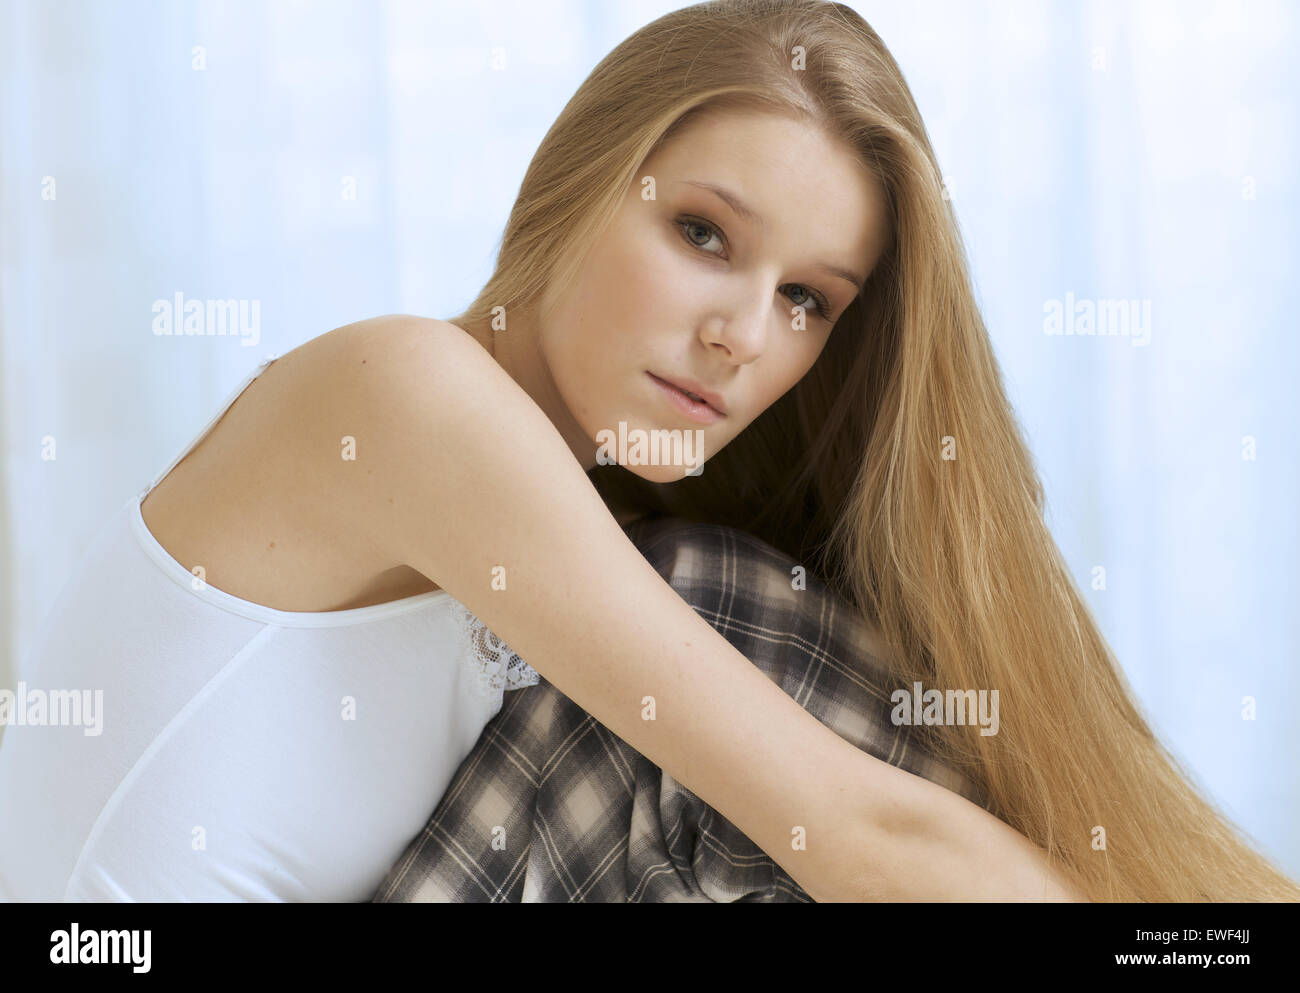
[{"x": 733, "y": 301}]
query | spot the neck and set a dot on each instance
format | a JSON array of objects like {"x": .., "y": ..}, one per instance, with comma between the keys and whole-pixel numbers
[{"x": 517, "y": 351}]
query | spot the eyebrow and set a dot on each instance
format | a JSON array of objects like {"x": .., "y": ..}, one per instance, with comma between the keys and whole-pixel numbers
[{"x": 748, "y": 213}]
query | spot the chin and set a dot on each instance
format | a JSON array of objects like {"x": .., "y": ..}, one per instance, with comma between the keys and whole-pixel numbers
[
  {"x": 659, "y": 473},
  {"x": 657, "y": 455}
]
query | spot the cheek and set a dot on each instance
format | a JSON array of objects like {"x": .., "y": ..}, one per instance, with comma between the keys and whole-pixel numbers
[
  {"x": 784, "y": 373},
  {"x": 633, "y": 291},
  {"x": 806, "y": 363},
  {"x": 648, "y": 278},
  {"x": 806, "y": 354},
  {"x": 583, "y": 330}
]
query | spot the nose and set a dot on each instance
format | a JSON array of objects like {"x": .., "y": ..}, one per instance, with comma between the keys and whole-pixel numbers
[{"x": 740, "y": 328}]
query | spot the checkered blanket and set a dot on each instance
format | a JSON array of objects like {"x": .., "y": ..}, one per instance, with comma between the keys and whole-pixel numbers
[{"x": 550, "y": 806}]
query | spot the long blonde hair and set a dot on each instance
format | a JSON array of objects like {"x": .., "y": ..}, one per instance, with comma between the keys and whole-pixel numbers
[{"x": 949, "y": 559}]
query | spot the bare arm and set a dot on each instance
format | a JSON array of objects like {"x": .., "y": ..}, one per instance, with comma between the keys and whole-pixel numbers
[
  {"x": 461, "y": 476},
  {"x": 949, "y": 849}
]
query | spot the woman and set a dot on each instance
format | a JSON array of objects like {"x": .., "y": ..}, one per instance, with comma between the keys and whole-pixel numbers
[{"x": 740, "y": 201}]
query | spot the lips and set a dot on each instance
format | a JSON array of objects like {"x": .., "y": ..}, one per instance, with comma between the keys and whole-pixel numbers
[{"x": 696, "y": 392}]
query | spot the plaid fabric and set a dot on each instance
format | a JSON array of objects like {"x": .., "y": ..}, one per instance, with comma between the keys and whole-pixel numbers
[{"x": 550, "y": 806}]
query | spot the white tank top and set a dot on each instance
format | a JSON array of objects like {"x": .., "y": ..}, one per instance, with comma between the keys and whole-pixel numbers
[{"x": 170, "y": 742}]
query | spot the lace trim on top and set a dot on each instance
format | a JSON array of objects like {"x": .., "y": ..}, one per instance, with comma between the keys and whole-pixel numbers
[{"x": 497, "y": 666}]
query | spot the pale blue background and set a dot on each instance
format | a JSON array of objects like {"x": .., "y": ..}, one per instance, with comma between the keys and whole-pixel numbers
[{"x": 1104, "y": 149}]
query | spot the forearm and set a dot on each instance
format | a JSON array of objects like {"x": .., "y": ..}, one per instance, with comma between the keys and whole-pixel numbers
[{"x": 929, "y": 843}]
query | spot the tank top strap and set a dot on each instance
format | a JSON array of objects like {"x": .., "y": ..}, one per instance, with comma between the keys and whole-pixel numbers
[{"x": 226, "y": 404}]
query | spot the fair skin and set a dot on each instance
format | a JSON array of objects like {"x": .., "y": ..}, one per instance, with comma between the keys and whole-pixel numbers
[
  {"x": 664, "y": 292},
  {"x": 471, "y": 464}
]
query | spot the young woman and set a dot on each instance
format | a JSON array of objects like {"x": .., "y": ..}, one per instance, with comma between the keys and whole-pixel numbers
[{"x": 741, "y": 204}]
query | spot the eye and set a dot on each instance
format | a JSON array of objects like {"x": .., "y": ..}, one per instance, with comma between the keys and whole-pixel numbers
[
  {"x": 822, "y": 307},
  {"x": 687, "y": 224}
]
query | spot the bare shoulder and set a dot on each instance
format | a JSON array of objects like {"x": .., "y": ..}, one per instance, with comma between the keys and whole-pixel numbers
[
  {"x": 428, "y": 362},
  {"x": 398, "y": 360},
  {"x": 280, "y": 470},
  {"x": 432, "y": 416},
  {"x": 383, "y": 377},
  {"x": 393, "y": 339}
]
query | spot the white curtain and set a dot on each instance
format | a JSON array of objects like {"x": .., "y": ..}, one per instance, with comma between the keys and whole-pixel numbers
[{"x": 334, "y": 161}]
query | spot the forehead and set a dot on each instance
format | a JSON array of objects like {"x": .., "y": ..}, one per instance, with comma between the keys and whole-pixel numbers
[{"x": 804, "y": 185}]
